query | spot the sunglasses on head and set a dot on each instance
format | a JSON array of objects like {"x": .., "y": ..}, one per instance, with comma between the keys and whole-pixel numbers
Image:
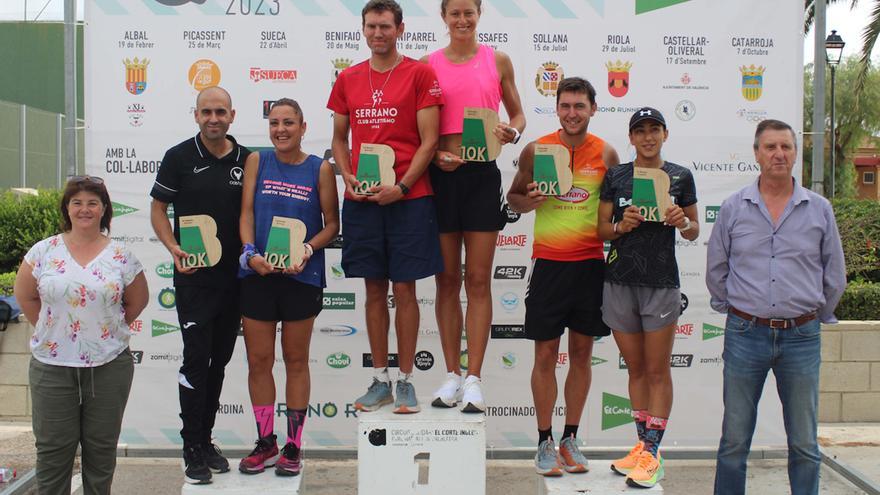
[{"x": 85, "y": 178}]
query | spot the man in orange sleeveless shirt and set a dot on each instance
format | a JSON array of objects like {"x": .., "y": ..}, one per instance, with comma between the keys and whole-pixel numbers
[{"x": 565, "y": 286}]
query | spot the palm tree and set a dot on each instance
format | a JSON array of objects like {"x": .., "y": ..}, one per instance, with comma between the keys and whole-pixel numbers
[{"x": 869, "y": 35}]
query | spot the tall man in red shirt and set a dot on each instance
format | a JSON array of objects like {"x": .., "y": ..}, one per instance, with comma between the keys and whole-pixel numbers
[{"x": 392, "y": 234}]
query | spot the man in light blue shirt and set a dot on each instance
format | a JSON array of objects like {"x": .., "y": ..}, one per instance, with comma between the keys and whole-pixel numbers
[{"x": 775, "y": 266}]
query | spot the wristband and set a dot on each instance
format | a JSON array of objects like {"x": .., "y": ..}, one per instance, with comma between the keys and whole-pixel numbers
[
  {"x": 615, "y": 227},
  {"x": 309, "y": 248},
  {"x": 403, "y": 188},
  {"x": 687, "y": 225},
  {"x": 516, "y": 135}
]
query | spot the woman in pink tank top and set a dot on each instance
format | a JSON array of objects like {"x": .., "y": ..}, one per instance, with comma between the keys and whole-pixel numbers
[{"x": 468, "y": 196}]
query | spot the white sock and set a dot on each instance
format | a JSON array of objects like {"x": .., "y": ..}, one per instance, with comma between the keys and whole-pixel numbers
[
  {"x": 404, "y": 377},
  {"x": 381, "y": 374}
]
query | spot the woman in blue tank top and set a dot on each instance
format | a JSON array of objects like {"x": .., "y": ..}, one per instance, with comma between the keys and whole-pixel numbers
[{"x": 283, "y": 182}]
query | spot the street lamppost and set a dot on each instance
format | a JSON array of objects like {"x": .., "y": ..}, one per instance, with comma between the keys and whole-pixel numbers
[{"x": 833, "y": 52}]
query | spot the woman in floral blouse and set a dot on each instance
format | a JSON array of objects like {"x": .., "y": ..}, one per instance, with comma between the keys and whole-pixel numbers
[{"x": 81, "y": 290}]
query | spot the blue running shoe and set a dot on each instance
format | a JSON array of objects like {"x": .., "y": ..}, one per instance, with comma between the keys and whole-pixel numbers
[
  {"x": 546, "y": 460},
  {"x": 406, "y": 402},
  {"x": 377, "y": 396}
]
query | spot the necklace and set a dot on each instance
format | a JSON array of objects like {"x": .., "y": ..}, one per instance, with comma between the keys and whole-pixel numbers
[{"x": 377, "y": 93}]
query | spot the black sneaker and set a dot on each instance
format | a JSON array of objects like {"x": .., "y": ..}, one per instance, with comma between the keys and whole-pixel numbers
[
  {"x": 214, "y": 458},
  {"x": 196, "y": 470}
]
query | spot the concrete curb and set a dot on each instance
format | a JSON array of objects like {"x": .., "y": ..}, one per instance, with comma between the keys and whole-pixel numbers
[
  {"x": 22, "y": 484},
  {"x": 851, "y": 474}
]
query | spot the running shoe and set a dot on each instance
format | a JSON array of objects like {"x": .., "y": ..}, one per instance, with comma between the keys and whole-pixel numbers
[
  {"x": 627, "y": 463},
  {"x": 546, "y": 460},
  {"x": 449, "y": 393},
  {"x": 290, "y": 461},
  {"x": 377, "y": 396},
  {"x": 214, "y": 458},
  {"x": 472, "y": 395},
  {"x": 406, "y": 402},
  {"x": 264, "y": 455},
  {"x": 195, "y": 469},
  {"x": 647, "y": 473},
  {"x": 572, "y": 459}
]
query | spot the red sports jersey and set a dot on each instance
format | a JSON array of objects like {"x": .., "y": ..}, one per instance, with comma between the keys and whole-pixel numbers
[{"x": 386, "y": 113}]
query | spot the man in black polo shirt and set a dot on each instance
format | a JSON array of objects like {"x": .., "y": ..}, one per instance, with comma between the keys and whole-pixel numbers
[{"x": 202, "y": 176}]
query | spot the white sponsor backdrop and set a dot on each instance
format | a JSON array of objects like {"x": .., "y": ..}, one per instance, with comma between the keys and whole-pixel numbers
[{"x": 685, "y": 58}]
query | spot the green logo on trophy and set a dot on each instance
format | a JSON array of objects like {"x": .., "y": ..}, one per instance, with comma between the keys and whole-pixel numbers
[
  {"x": 651, "y": 193},
  {"x": 198, "y": 237},
  {"x": 284, "y": 248},
  {"x": 375, "y": 167},
  {"x": 478, "y": 142},
  {"x": 551, "y": 169}
]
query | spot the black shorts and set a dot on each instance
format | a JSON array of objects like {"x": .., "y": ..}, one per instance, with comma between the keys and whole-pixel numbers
[
  {"x": 278, "y": 297},
  {"x": 468, "y": 199},
  {"x": 565, "y": 294}
]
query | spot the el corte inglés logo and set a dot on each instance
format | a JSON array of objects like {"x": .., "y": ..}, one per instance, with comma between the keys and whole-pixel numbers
[
  {"x": 120, "y": 209},
  {"x": 616, "y": 411},
  {"x": 161, "y": 328},
  {"x": 711, "y": 331}
]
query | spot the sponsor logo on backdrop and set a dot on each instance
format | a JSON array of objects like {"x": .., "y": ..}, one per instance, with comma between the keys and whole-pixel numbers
[
  {"x": 547, "y": 78},
  {"x": 136, "y": 75},
  {"x": 508, "y": 360},
  {"x": 120, "y": 209},
  {"x": 519, "y": 411},
  {"x": 711, "y": 331},
  {"x": 338, "y": 330},
  {"x": 463, "y": 359},
  {"x": 510, "y": 272},
  {"x": 596, "y": 361},
  {"x": 165, "y": 270},
  {"x": 137, "y": 357},
  {"x": 643, "y": 6},
  {"x": 336, "y": 271},
  {"x": 684, "y": 330},
  {"x": 338, "y": 360},
  {"x": 712, "y": 213},
  {"x": 391, "y": 302},
  {"x": 136, "y": 113},
  {"x": 684, "y": 302},
  {"x": 167, "y": 298},
  {"x": 136, "y": 327},
  {"x": 335, "y": 243},
  {"x": 511, "y": 242},
  {"x": 509, "y": 301},
  {"x": 424, "y": 360},
  {"x": 752, "y": 81},
  {"x": 686, "y": 82},
  {"x": 167, "y": 356},
  {"x": 267, "y": 107},
  {"x": 428, "y": 332},
  {"x": 368, "y": 360},
  {"x": 575, "y": 195},
  {"x": 712, "y": 361},
  {"x": 160, "y": 328},
  {"x": 203, "y": 73},
  {"x": 230, "y": 409},
  {"x": 685, "y": 110},
  {"x": 618, "y": 78},
  {"x": 508, "y": 331},
  {"x": 616, "y": 411},
  {"x": 257, "y": 74},
  {"x": 339, "y": 65},
  {"x": 339, "y": 300},
  {"x": 733, "y": 165},
  {"x": 510, "y": 216},
  {"x": 753, "y": 116},
  {"x": 561, "y": 359}
]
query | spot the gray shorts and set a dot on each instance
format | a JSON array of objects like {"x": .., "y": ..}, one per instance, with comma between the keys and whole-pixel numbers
[{"x": 633, "y": 309}]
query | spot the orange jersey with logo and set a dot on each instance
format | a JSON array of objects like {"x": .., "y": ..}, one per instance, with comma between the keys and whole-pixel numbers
[{"x": 566, "y": 227}]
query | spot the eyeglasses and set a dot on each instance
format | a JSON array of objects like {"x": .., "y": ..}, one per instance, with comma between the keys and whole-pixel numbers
[{"x": 85, "y": 178}]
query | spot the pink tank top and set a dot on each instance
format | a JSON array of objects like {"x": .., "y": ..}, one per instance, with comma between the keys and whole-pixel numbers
[{"x": 474, "y": 83}]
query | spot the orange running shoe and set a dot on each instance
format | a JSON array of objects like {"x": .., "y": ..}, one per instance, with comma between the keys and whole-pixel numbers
[
  {"x": 647, "y": 473},
  {"x": 626, "y": 464}
]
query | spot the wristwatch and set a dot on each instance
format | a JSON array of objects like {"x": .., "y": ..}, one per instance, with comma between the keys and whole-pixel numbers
[
  {"x": 687, "y": 225},
  {"x": 516, "y": 135},
  {"x": 403, "y": 188}
]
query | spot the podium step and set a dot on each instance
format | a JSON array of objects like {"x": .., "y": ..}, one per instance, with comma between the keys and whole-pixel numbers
[
  {"x": 600, "y": 480},
  {"x": 433, "y": 452},
  {"x": 236, "y": 483}
]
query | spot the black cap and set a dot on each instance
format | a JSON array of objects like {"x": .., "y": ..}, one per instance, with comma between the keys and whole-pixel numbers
[{"x": 646, "y": 113}]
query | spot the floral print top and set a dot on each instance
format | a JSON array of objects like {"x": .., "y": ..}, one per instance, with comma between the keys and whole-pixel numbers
[{"x": 82, "y": 321}]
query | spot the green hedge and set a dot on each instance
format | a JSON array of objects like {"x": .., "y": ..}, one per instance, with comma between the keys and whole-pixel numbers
[
  {"x": 859, "y": 223},
  {"x": 860, "y": 301},
  {"x": 7, "y": 280},
  {"x": 24, "y": 220}
]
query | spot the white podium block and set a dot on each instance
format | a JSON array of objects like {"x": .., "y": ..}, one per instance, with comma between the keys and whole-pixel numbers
[
  {"x": 600, "y": 480},
  {"x": 433, "y": 452},
  {"x": 236, "y": 483}
]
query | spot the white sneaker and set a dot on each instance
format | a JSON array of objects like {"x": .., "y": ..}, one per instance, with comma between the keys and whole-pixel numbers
[
  {"x": 449, "y": 393},
  {"x": 472, "y": 395}
]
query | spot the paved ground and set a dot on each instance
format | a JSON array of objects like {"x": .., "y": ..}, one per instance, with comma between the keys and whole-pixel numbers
[{"x": 855, "y": 445}]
